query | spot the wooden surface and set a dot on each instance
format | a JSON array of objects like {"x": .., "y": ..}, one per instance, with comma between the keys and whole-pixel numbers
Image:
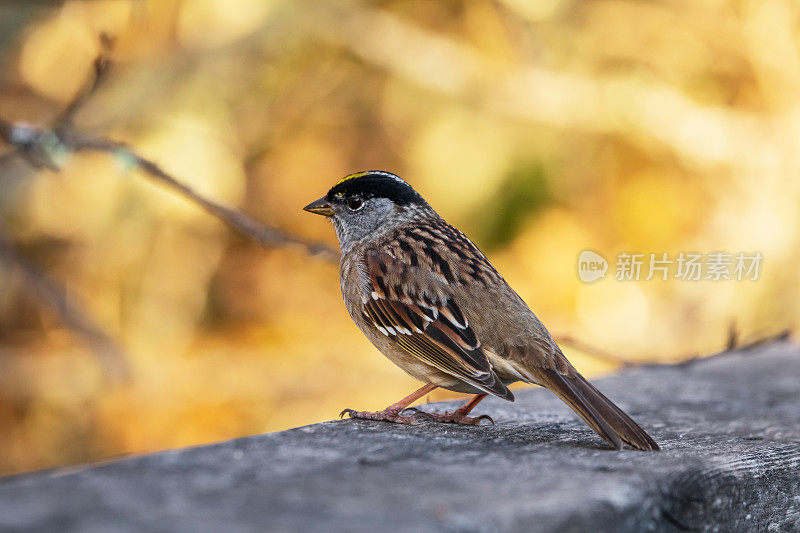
[{"x": 729, "y": 427}]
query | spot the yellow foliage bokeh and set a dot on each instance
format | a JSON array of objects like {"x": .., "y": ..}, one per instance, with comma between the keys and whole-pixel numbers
[{"x": 543, "y": 129}]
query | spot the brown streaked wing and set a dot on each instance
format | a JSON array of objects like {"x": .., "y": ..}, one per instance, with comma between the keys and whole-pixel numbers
[{"x": 432, "y": 329}]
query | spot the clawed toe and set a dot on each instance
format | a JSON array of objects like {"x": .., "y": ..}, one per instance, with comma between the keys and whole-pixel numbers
[
  {"x": 483, "y": 417},
  {"x": 385, "y": 416},
  {"x": 449, "y": 418},
  {"x": 422, "y": 416},
  {"x": 419, "y": 415},
  {"x": 466, "y": 420},
  {"x": 416, "y": 416}
]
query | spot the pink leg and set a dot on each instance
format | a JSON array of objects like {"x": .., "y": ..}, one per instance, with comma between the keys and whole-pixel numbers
[
  {"x": 392, "y": 413},
  {"x": 459, "y": 416}
]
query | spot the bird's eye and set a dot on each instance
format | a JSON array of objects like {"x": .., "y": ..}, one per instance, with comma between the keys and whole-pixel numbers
[{"x": 355, "y": 203}]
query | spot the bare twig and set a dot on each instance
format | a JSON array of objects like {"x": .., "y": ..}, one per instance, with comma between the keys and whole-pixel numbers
[
  {"x": 265, "y": 235},
  {"x": 101, "y": 67},
  {"x": 781, "y": 336},
  {"x": 595, "y": 352},
  {"x": 72, "y": 314},
  {"x": 732, "y": 346},
  {"x": 733, "y": 336},
  {"x": 46, "y": 147}
]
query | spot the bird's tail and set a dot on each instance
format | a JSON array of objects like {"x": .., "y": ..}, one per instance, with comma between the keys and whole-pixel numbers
[{"x": 608, "y": 420}]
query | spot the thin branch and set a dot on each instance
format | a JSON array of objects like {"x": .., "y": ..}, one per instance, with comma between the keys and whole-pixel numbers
[
  {"x": 781, "y": 336},
  {"x": 265, "y": 235},
  {"x": 733, "y": 337},
  {"x": 732, "y": 346},
  {"x": 47, "y": 147},
  {"x": 72, "y": 314},
  {"x": 39, "y": 147},
  {"x": 595, "y": 352},
  {"x": 101, "y": 68}
]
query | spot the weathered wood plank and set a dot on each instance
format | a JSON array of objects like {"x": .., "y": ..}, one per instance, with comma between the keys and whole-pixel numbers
[{"x": 729, "y": 428}]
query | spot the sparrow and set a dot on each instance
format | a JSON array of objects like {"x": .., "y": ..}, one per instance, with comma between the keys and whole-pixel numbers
[{"x": 432, "y": 303}]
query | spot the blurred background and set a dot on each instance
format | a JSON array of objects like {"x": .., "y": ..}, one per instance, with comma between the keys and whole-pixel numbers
[{"x": 540, "y": 128}]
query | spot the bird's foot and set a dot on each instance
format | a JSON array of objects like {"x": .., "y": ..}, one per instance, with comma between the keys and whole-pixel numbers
[
  {"x": 387, "y": 415},
  {"x": 450, "y": 418}
]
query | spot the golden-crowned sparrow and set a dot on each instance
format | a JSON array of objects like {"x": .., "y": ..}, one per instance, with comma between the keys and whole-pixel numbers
[{"x": 427, "y": 298}]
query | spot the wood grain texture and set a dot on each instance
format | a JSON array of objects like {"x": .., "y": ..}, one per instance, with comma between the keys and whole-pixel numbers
[{"x": 729, "y": 427}]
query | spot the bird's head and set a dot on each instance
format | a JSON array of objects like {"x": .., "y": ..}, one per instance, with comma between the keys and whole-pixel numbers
[{"x": 363, "y": 203}]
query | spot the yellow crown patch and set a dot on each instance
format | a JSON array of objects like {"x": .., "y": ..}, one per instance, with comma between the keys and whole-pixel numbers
[{"x": 351, "y": 176}]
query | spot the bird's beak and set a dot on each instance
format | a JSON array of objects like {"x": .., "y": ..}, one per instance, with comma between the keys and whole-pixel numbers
[{"x": 320, "y": 207}]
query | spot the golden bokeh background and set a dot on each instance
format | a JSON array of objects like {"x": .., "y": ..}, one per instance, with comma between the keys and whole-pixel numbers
[{"x": 540, "y": 128}]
